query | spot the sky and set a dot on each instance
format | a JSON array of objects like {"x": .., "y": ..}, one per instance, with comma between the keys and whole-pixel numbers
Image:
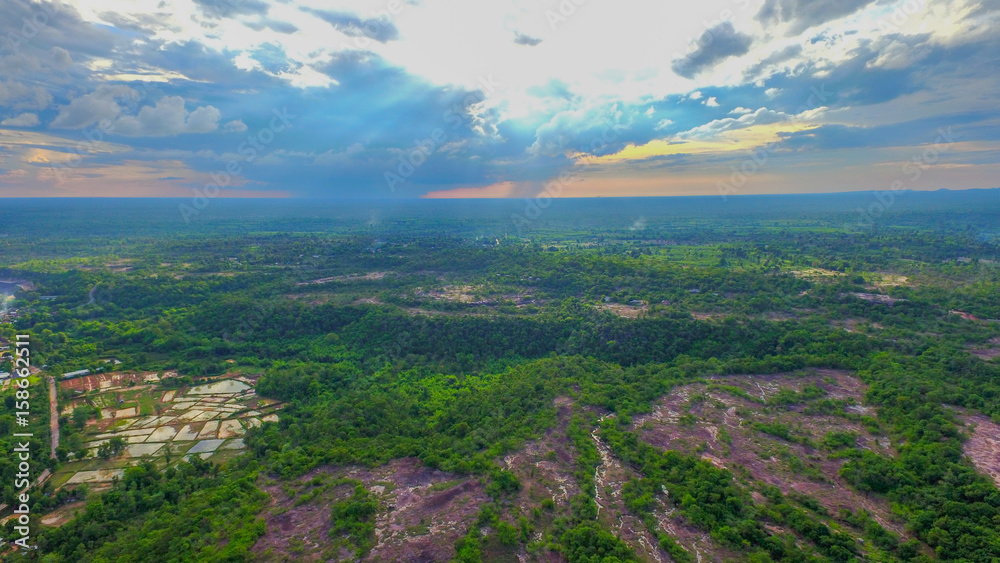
[{"x": 505, "y": 98}]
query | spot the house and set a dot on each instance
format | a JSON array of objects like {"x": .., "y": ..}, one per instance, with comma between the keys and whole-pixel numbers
[{"x": 76, "y": 373}]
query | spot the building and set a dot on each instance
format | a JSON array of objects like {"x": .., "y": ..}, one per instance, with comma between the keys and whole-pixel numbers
[{"x": 76, "y": 373}]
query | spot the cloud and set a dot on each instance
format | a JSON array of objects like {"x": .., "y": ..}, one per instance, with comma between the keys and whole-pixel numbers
[
  {"x": 273, "y": 25},
  {"x": 714, "y": 45},
  {"x": 61, "y": 58},
  {"x": 228, "y": 8},
  {"x": 33, "y": 44},
  {"x": 357, "y": 111},
  {"x": 280, "y": 26},
  {"x": 235, "y": 126},
  {"x": 553, "y": 89},
  {"x": 380, "y": 29},
  {"x": 142, "y": 24},
  {"x": 23, "y": 120},
  {"x": 769, "y": 62},
  {"x": 101, "y": 104},
  {"x": 712, "y": 129},
  {"x": 803, "y": 14},
  {"x": 522, "y": 39},
  {"x": 897, "y": 51},
  {"x": 13, "y": 177},
  {"x": 18, "y": 96},
  {"x": 272, "y": 58},
  {"x": 168, "y": 118},
  {"x": 594, "y": 129}
]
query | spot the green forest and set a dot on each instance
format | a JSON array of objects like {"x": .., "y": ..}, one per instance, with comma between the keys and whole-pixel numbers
[{"x": 754, "y": 384}]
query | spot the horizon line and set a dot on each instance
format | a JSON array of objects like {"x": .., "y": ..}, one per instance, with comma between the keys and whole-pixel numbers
[{"x": 424, "y": 198}]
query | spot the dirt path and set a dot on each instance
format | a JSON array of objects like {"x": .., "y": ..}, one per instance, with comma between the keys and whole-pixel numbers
[{"x": 53, "y": 416}]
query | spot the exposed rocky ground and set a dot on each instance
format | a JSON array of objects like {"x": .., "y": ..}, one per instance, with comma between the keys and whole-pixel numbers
[
  {"x": 422, "y": 511},
  {"x": 715, "y": 421},
  {"x": 983, "y": 446}
]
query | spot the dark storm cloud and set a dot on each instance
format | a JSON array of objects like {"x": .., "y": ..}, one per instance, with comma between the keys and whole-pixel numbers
[{"x": 714, "y": 45}]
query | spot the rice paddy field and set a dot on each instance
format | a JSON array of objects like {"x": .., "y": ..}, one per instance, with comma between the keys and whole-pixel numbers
[{"x": 164, "y": 425}]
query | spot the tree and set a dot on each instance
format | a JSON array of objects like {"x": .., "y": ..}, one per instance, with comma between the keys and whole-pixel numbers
[
  {"x": 111, "y": 448},
  {"x": 81, "y": 415}
]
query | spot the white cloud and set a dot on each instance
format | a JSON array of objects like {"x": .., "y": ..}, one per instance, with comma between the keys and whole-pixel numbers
[
  {"x": 712, "y": 129},
  {"x": 234, "y": 126},
  {"x": 61, "y": 58},
  {"x": 597, "y": 60},
  {"x": 101, "y": 104},
  {"x": 167, "y": 118},
  {"x": 23, "y": 120},
  {"x": 19, "y": 96}
]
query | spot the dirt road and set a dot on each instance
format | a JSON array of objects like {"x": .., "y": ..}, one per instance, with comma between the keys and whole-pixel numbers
[{"x": 53, "y": 416}]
